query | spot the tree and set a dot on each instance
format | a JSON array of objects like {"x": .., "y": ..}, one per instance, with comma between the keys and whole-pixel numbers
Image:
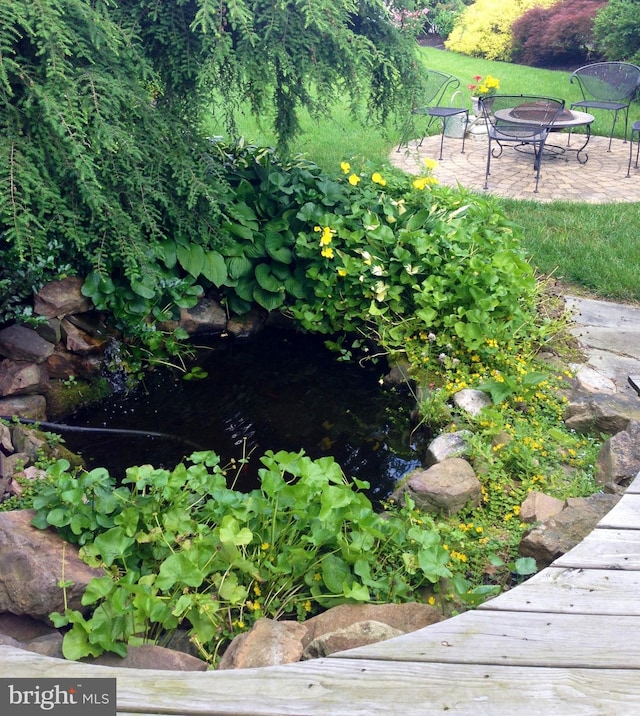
[{"x": 101, "y": 163}]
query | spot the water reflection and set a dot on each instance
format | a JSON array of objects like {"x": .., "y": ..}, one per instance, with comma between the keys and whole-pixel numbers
[{"x": 277, "y": 391}]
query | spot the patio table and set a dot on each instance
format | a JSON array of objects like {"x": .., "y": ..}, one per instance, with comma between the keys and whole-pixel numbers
[{"x": 567, "y": 120}]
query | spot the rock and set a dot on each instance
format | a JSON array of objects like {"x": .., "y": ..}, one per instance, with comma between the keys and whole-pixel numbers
[
  {"x": 47, "y": 645},
  {"x": 80, "y": 342},
  {"x": 60, "y": 298},
  {"x": 619, "y": 457},
  {"x": 268, "y": 643},
  {"x": 446, "y": 487},
  {"x": 150, "y": 656},
  {"x": 32, "y": 562},
  {"x": 207, "y": 316},
  {"x": 33, "y": 407},
  {"x": 23, "y": 378},
  {"x": 358, "y": 634},
  {"x": 407, "y": 617},
  {"x": 539, "y": 507},
  {"x": 600, "y": 413},
  {"x": 562, "y": 532},
  {"x": 449, "y": 445},
  {"x": 247, "y": 324},
  {"x": 22, "y": 343},
  {"x": 24, "y": 628},
  {"x": 588, "y": 380},
  {"x": 472, "y": 401}
]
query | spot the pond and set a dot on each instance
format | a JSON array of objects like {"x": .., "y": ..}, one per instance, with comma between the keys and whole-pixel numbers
[{"x": 279, "y": 390}]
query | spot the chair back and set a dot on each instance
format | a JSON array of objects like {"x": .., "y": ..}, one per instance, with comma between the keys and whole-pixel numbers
[
  {"x": 520, "y": 117},
  {"x": 434, "y": 87},
  {"x": 608, "y": 81}
]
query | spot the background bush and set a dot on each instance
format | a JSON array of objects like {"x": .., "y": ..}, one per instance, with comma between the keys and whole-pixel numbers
[
  {"x": 561, "y": 33},
  {"x": 617, "y": 31}
]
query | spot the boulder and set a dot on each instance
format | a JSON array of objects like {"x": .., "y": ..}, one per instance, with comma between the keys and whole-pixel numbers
[
  {"x": 60, "y": 298},
  {"x": 23, "y": 378},
  {"x": 601, "y": 413},
  {"x": 539, "y": 507},
  {"x": 22, "y": 343},
  {"x": 32, "y": 562},
  {"x": 560, "y": 533},
  {"x": 619, "y": 457},
  {"x": 268, "y": 643},
  {"x": 446, "y": 487},
  {"x": 350, "y": 637},
  {"x": 471, "y": 401},
  {"x": 449, "y": 445}
]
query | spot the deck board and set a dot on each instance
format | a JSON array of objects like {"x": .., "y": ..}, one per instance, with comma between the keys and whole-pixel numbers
[
  {"x": 565, "y": 642},
  {"x": 360, "y": 687}
]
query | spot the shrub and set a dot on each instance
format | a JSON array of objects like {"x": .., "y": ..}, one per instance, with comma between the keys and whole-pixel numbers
[
  {"x": 616, "y": 30},
  {"x": 563, "y": 32},
  {"x": 484, "y": 28}
]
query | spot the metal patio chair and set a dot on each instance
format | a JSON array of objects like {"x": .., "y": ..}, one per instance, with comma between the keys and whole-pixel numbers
[
  {"x": 430, "y": 101},
  {"x": 523, "y": 121},
  {"x": 611, "y": 86}
]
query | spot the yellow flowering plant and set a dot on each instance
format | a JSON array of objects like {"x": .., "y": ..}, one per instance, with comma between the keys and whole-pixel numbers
[{"x": 484, "y": 86}]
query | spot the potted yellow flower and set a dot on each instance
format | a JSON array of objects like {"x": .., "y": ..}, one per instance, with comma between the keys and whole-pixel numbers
[{"x": 482, "y": 87}]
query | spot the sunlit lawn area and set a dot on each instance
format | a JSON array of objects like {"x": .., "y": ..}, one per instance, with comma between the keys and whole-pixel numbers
[{"x": 595, "y": 247}]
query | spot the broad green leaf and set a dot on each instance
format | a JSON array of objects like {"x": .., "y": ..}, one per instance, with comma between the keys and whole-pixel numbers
[
  {"x": 113, "y": 543},
  {"x": 177, "y": 568},
  {"x": 214, "y": 268},
  {"x": 191, "y": 258}
]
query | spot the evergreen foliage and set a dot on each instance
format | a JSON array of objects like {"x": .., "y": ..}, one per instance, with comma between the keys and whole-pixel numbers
[{"x": 102, "y": 165}]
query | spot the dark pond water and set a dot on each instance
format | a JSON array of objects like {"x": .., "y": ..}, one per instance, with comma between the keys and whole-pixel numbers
[{"x": 276, "y": 391}]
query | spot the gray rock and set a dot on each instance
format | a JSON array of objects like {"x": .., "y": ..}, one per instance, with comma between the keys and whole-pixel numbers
[
  {"x": 446, "y": 487},
  {"x": 600, "y": 413},
  {"x": 449, "y": 445},
  {"x": 358, "y": 634},
  {"x": 33, "y": 407},
  {"x": 22, "y": 343},
  {"x": 472, "y": 401},
  {"x": 588, "y": 380},
  {"x": 207, "y": 316},
  {"x": 150, "y": 656},
  {"x": 619, "y": 457}
]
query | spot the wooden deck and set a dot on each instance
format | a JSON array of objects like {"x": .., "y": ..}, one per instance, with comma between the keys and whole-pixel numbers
[{"x": 565, "y": 642}]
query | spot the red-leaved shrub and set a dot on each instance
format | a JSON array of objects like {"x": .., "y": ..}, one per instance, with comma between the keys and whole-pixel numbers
[{"x": 562, "y": 33}]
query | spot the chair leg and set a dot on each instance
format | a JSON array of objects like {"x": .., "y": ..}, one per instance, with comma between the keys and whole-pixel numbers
[{"x": 487, "y": 171}]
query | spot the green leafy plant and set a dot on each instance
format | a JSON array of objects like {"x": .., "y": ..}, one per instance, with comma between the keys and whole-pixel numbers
[{"x": 182, "y": 549}]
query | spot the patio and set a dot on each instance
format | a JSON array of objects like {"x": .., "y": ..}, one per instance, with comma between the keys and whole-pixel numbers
[{"x": 602, "y": 179}]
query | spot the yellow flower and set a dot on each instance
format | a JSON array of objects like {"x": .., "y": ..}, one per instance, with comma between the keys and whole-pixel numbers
[
  {"x": 342, "y": 272},
  {"x": 431, "y": 600},
  {"x": 345, "y": 166},
  {"x": 327, "y": 252},
  {"x": 327, "y": 236},
  {"x": 354, "y": 179},
  {"x": 264, "y": 546},
  {"x": 256, "y": 590},
  {"x": 377, "y": 178},
  {"x": 420, "y": 183},
  {"x": 307, "y": 606},
  {"x": 430, "y": 163}
]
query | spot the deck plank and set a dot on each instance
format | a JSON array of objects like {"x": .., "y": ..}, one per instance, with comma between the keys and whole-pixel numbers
[
  {"x": 518, "y": 639},
  {"x": 625, "y": 515},
  {"x": 355, "y": 687},
  {"x": 605, "y": 549},
  {"x": 557, "y": 590}
]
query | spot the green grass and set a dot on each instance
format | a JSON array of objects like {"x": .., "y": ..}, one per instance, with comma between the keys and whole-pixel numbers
[{"x": 592, "y": 247}]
